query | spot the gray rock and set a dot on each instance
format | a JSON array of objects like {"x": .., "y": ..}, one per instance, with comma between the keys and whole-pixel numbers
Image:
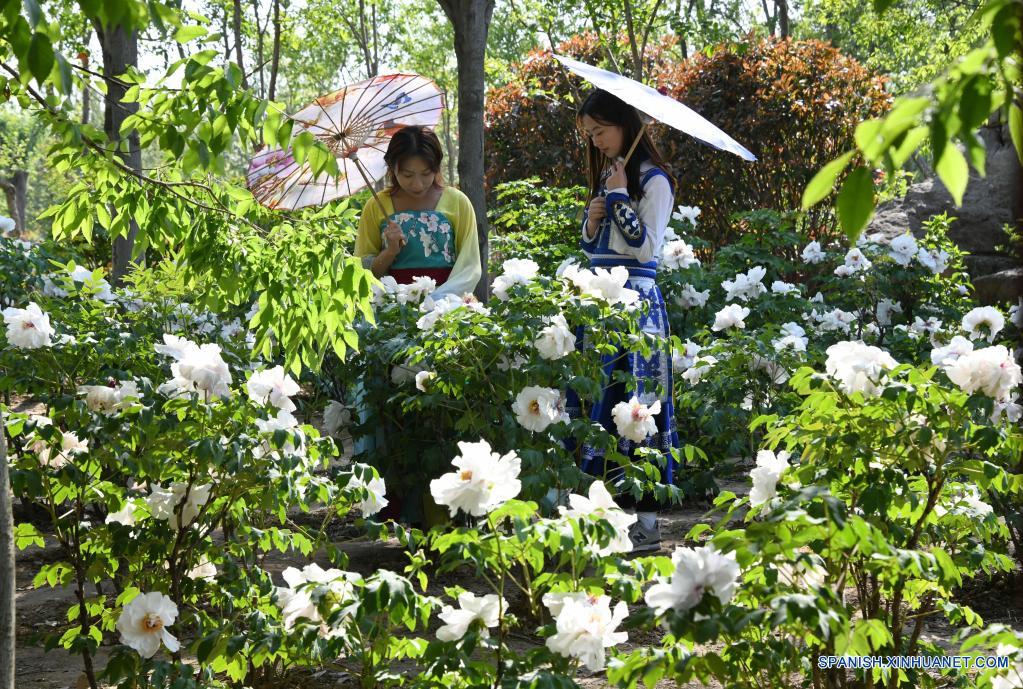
[
  {"x": 987, "y": 206},
  {"x": 1000, "y": 287}
]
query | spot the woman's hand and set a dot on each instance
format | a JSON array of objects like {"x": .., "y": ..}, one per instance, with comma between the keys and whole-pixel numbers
[
  {"x": 394, "y": 239},
  {"x": 596, "y": 212},
  {"x": 617, "y": 178}
]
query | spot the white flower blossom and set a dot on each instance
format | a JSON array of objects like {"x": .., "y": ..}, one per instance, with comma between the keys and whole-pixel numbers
[
  {"x": 984, "y": 321},
  {"x": 991, "y": 371},
  {"x": 311, "y": 584},
  {"x": 682, "y": 360},
  {"x": 1010, "y": 409},
  {"x": 28, "y": 328},
  {"x": 859, "y": 367},
  {"x": 903, "y": 249},
  {"x": 110, "y": 399},
  {"x": 780, "y": 287},
  {"x": 690, "y": 297},
  {"x": 537, "y": 407},
  {"x": 698, "y": 572},
  {"x": 836, "y": 319},
  {"x": 163, "y": 501},
  {"x": 686, "y": 214},
  {"x": 471, "y": 608},
  {"x": 769, "y": 469},
  {"x": 143, "y": 624},
  {"x": 273, "y": 386},
  {"x": 516, "y": 271},
  {"x": 634, "y": 420},
  {"x": 746, "y": 286},
  {"x": 483, "y": 480},
  {"x": 335, "y": 417},
  {"x": 198, "y": 368},
  {"x": 885, "y": 308},
  {"x": 375, "y": 489},
  {"x": 423, "y": 379},
  {"x": 732, "y": 316},
  {"x": 947, "y": 355},
  {"x": 556, "y": 339},
  {"x": 204, "y": 570},
  {"x": 598, "y": 504},
  {"x": 812, "y": 252},
  {"x": 678, "y": 255},
  {"x": 701, "y": 366},
  {"x": 70, "y": 445},
  {"x": 585, "y": 627},
  {"x": 935, "y": 260}
]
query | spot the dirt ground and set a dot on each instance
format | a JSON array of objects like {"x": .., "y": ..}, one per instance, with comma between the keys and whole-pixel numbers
[{"x": 41, "y": 610}]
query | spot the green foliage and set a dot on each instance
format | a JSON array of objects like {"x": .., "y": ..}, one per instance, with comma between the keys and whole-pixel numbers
[{"x": 535, "y": 222}]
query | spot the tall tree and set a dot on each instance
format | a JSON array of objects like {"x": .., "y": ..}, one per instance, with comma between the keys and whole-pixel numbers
[
  {"x": 6, "y": 568},
  {"x": 470, "y": 20},
  {"x": 119, "y": 40}
]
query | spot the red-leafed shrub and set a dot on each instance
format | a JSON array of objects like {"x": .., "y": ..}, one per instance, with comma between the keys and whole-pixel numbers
[
  {"x": 530, "y": 122},
  {"x": 794, "y": 104}
]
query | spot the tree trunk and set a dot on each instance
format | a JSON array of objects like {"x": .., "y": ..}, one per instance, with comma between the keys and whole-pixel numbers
[
  {"x": 84, "y": 58},
  {"x": 238, "y": 41},
  {"x": 471, "y": 22},
  {"x": 637, "y": 59},
  {"x": 6, "y": 568},
  {"x": 781, "y": 10},
  {"x": 260, "y": 32},
  {"x": 275, "y": 64},
  {"x": 120, "y": 51},
  {"x": 19, "y": 180}
]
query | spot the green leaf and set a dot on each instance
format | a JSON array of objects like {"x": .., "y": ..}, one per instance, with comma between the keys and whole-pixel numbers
[
  {"x": 25, "y": 535},
  {"x": 953, "y": 171},
  {"x": 40, "y": 56},
  {"x": 1016, "y": 129},
  {"x": 189, "y": 33},
  {"x": 823, "y": 182},
  {"x": 856, "y": 202}
]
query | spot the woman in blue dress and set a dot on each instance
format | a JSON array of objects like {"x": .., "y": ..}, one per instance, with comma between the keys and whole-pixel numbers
[{"x": 624, "y": 225}]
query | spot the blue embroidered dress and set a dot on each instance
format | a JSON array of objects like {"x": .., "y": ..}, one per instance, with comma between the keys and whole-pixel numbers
[{"x": 632, "y": 235}]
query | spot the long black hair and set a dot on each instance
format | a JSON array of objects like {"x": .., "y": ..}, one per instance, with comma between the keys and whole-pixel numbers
[
  {"x": 608, "y": 109},
  {"x": 409, "y": 142}
]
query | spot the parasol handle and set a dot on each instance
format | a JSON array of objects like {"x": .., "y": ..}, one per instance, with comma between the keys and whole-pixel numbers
[{"x": 365, "y": 176}]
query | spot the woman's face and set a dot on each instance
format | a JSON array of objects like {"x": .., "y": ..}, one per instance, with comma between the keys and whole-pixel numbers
[
  {"x": 414, "y": 176},
  {"x": 606, "y": 138}
]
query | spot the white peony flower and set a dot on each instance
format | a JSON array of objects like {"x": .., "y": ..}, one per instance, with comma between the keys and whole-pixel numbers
[
  {"x": 197, "y": 368},
  {"x": 28, "y": 328},
  {"x": 903, "y": 248},
  {"x": 124, "y": 516},
  {"x": 471, "y": 608},
  {"x": 991, "y": 371},
  {"x": 885, "y": 309},
  {"x": 780, "y": 287},
  {"x": 537, "y": 407},
  {"x": 70, "y": 445},
  {"x": 769, "y": 469},
  {"x": 698, "y": 571},
  {"x": 1016, "y": 314},
  {"x": 414, "y": 292},
  {"x": 109, "y": 399},
  {"x": 836, "y": 319},
  {"x": 423, "y": 379},
  {"x": 610, "y": 286},
  {"x": 585, "y": 627},
  {"x": 483, "y": 480},
  {"x": 435, "y": 309},
  {"x": 732, "y": 316},
  {"x": 984, "y": 321},
  {"x": 775, "y": 371},
  {"x": 98, "y": 287},
  {"x": 634, "y": 420},
  {"x": 935, "y": 260},
  {"x": 515, "y": 271},
  {"x": 746, "y": 286},
  {"x": 686, "y": 214},
  {"x": 677, "y": 254},
  {"x": 599, "y": 505},
  {"x": 701, "y": 366},
  {"x": 335, "y": 417},
  {"x": 7, "y": 224},
  {"x": 273, "y": 386},
  {"x": 143, "y": 624},
  {"x": 311, "y": 584},
  {"x": 375, "y": 489},
  {"x": 203, "y": 570},
  {"x": 1012, "y": 676},
  {"x": 690, "y": 297},
  {"x": 682, "y": 360},
  {"x": 812, "y": 252},
  {"x": 555, "y": 340},
  {"x": 947, "y": 355},
  {"x": 1010, "y": 409},
  {"x": 859, "y": 367},
  {"x": 163, "y": 501}
]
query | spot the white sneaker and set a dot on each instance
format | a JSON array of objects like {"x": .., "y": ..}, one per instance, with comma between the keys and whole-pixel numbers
[{"x": 645, "y": 540}]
